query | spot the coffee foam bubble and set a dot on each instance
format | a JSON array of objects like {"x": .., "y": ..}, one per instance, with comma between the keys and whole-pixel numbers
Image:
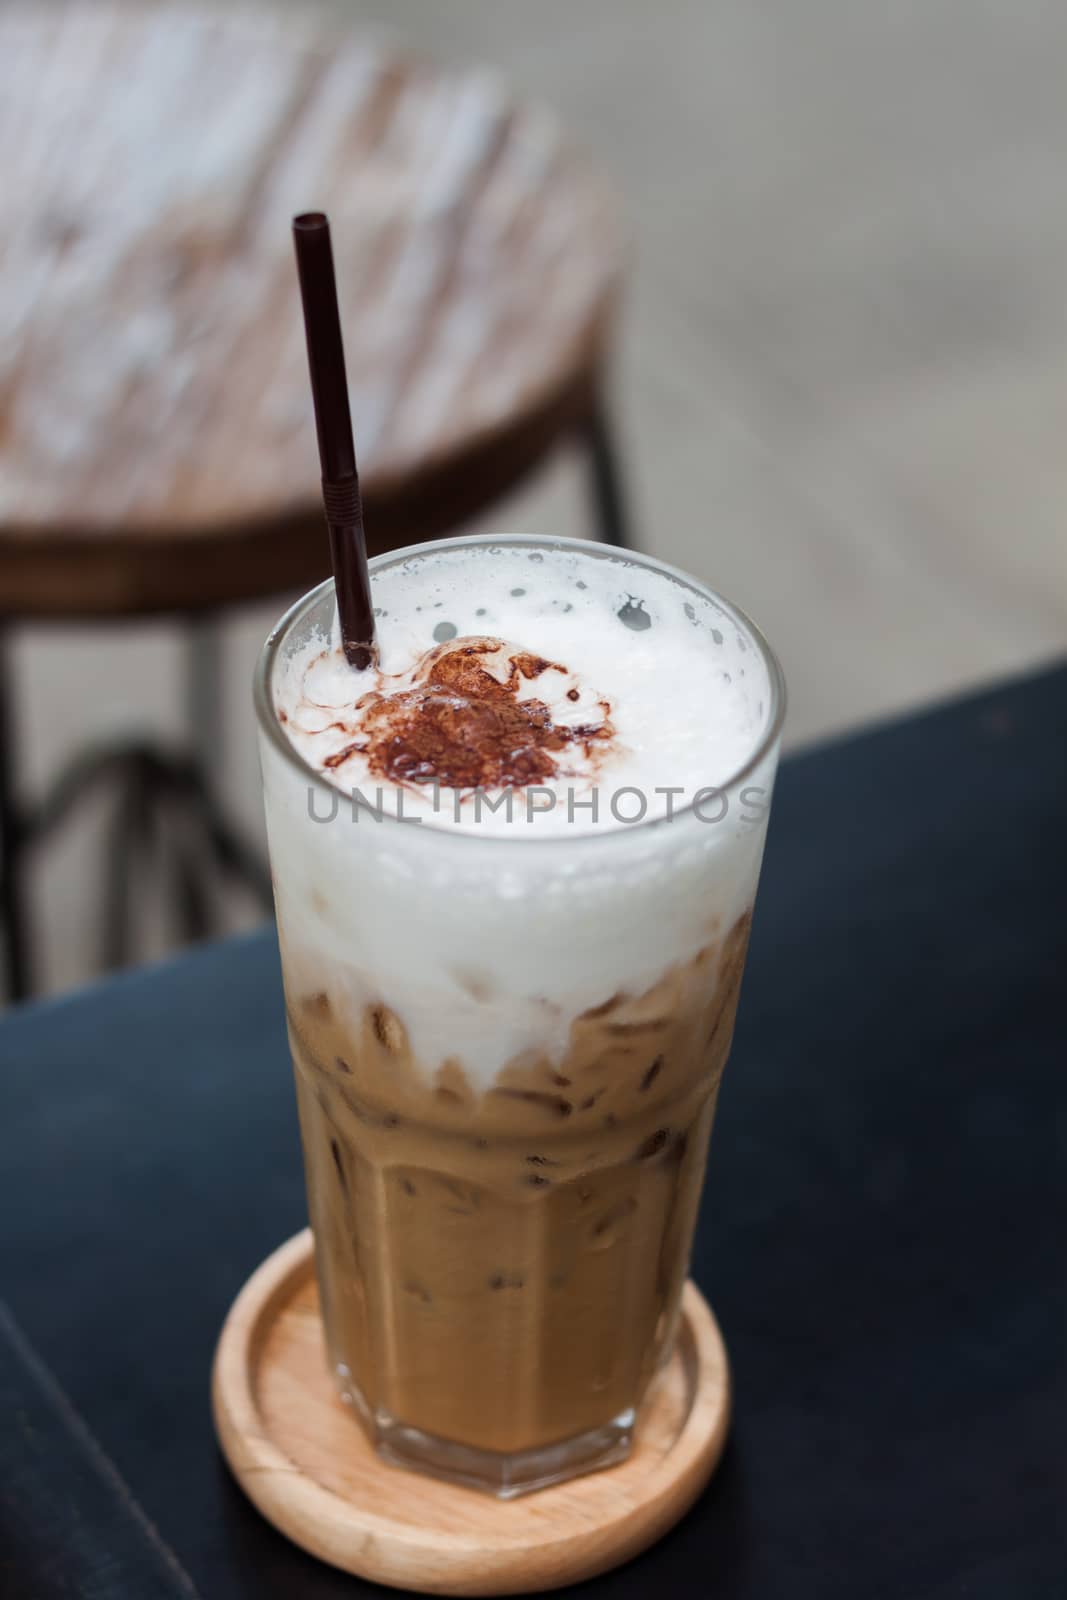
[{"x": 487, "y": 939}]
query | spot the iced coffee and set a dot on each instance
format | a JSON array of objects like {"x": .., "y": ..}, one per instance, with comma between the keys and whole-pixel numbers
[{"x": 514, "y": 866}]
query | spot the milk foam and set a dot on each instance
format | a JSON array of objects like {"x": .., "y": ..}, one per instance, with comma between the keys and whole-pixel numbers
[
  {"x": 688, "y": 695},
  {"x": 487, "y": 939}
]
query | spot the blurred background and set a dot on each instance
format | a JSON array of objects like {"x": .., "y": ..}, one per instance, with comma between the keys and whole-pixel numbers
[{"x": 836, "y": 382}]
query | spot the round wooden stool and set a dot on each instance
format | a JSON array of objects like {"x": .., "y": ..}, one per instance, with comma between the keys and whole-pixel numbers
[{"x": 157, "y": 450}]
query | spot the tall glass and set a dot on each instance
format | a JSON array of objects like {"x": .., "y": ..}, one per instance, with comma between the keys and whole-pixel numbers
[{"x": 507, "y": 1054}]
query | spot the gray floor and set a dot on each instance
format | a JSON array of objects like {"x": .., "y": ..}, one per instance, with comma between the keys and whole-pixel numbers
[{"x": 844, "y": 375}]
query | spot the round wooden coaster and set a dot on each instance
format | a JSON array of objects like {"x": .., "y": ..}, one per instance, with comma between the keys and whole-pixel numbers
[{"x": 302, "y": 1458}]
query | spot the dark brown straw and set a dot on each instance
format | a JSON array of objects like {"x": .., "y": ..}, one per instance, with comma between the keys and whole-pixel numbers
[{"x": 337, "y": 456}]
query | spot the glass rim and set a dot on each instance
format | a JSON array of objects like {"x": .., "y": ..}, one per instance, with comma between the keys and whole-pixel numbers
[{"x": 775, "y": 715}]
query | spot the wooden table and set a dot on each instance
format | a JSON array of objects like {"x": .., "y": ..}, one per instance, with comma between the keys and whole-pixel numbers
[{"x": 157, "y": 449}]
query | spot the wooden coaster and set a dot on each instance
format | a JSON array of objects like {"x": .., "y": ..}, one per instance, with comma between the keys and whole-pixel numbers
[{"x": 302, "y": 1458}]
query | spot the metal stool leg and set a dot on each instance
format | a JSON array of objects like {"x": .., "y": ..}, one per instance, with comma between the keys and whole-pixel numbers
[
  {"x": 607, "y": 498},
  {"x": 203, "y": 690},
  {"x": 129, "y": 841},
  {"x": 160, "y": 797},
  {"x": 203, "y": 720},
  {"x": 204, "y": 716},
  {"x": 14, "y": 916}
]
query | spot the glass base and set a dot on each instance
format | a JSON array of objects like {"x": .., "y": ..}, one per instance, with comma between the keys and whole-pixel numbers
[{"x": 503, "y": 1475}]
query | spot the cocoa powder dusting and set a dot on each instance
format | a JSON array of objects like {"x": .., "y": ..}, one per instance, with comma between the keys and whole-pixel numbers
[{"x": 465, "y": 728}]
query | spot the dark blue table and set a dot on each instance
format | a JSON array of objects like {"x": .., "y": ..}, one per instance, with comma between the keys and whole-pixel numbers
[{"x": 881, "y": 1234}]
